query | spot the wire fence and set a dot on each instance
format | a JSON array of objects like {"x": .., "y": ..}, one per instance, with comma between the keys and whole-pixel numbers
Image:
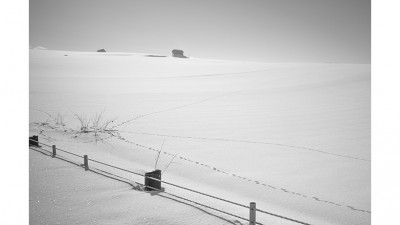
[{"x": 34, "y": 142}]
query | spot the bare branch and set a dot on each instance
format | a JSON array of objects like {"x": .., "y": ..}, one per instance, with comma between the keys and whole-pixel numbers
[
  {"x": 158, "y": 155},
  {"x": 169, "y": 163}
]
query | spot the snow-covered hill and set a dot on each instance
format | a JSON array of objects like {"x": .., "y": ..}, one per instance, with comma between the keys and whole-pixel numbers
[{"x": 295, "y": 138}]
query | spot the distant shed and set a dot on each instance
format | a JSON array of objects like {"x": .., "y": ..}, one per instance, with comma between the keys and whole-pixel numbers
[{"x": 178, "y": 53}]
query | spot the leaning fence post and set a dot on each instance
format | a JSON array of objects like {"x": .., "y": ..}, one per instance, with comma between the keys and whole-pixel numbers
[
  {"x": 85, "y": 161},
  {"x": 54, "y": 151},
  {"x": 252, "y": 213}
]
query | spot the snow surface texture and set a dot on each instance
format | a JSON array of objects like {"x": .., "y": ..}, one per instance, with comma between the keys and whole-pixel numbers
[
  {"x": 61, "y": 193},
  {"x": 294, "y": 138}
]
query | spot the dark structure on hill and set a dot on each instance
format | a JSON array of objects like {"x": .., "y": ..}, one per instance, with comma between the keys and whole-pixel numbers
[
  {"x": 101, "y": 50},
  {"x": 178, "y": 53}
]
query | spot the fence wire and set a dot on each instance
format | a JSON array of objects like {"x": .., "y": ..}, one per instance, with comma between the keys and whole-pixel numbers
[{"x": 181, "y": 187}]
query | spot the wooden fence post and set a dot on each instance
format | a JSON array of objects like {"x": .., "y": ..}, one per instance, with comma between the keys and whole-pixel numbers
[
  {"x": 54, "y": 151},
  {"x": 252, "y": 213},
  {"x": 34, "y": 141},
  {"x": 150, "y": 184},
  {"x": 85, "y": 161}
]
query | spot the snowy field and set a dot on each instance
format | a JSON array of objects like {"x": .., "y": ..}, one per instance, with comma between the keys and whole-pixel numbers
[
  {"x": 292, "y": 137},
  {"x": 70, "y": 199}
]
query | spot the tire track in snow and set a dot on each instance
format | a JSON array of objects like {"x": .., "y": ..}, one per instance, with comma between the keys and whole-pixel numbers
[
  {"x": 250, "y": 142},
  {"x": 174, "y": 108},
  {"x": 231, "y": 140},
  {"x": 255, "y": 182},
  {"x": 118, "y": 136},
  {"x": 196, "y": 102}
]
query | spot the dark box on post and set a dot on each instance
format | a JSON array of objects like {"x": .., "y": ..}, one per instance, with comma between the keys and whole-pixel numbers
[{"x": 152, "y": 185}]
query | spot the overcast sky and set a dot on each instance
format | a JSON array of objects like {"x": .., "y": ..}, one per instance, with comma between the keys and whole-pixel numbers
[{"x": 251, "y": 30}]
